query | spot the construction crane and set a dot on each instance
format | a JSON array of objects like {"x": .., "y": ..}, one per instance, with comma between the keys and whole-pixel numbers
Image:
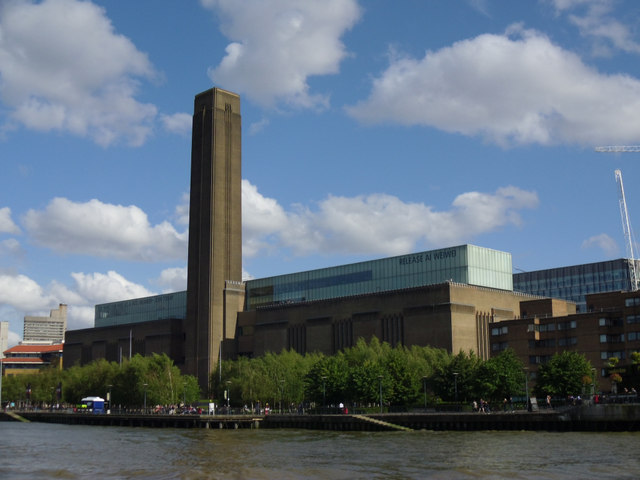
[
  {"x": 628, "y": 234},
  {"x": 619, "y": 149},
  {"x": 626, "y": 224}
]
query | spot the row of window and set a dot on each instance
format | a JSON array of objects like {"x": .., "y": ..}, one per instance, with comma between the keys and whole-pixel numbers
[
  {"x": 632, "y": 302},
  {"x": 619, "y": 338}
]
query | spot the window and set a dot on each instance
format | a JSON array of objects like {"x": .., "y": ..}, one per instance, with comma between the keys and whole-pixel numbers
[
  {"x": 607, "y": 355},
  {"x": 632, "y": 302},
  {"x": 545, "y": 327},
  {"x": 610, "y": 322},
  {"x": 499, "y": 331},
  {"x": 633, "y": 336},
  {"x": 567, "y": 325},
  {"x": 500, "y": 346},
  {"x": 545, "y": 343},
  {"x": 633, "y": 318},
  {"x": 567, "y": 341},
  {"x": 612, "y": 338}
]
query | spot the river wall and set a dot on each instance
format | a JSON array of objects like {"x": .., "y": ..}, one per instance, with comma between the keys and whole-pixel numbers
[{"x": 596, "y": 418}]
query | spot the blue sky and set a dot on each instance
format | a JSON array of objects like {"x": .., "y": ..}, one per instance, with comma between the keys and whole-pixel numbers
[{"x": 370, "y": 128}]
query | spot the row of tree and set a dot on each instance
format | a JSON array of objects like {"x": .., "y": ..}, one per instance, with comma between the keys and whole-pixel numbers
[
  {"x": 403, "y": 376},
  {"x": 156, "y": 377},
  {"x": 360, "y": 375}
]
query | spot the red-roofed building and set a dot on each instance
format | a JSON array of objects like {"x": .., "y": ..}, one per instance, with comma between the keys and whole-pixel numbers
[{"x": 23, "y": 359}]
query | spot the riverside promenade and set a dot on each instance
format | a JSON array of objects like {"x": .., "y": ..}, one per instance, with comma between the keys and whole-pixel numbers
[{"x": 591, "y": 418}]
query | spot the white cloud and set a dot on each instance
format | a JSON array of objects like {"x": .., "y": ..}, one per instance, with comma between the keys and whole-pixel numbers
[
  {"x": 604, "y": 242},
  {"x": 517, "y": 88},
  {"x": 23, "y": 293},
  {"x": 6, "y": 224},
  {"x": 112, "y": 287},
  {"x": 63, "y": 67},
  {"x": 278, "y": 44},
  {"x": 179, "y": 123},
  {"x": 377, "y": 223},
  {"x": 173, "y": 279},
  {"x": 104, "y": 230},
  {"x": 182, "y": 210},
  {"x": 262, "y": 218},
  {"x": 596, "y": 21}
]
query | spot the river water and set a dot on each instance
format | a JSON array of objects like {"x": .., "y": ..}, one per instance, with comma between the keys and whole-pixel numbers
[{"x": 49, "y": 451}]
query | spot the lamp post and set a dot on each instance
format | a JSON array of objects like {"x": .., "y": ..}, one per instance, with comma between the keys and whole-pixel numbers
[
  {"x": 281, "y": 396},
  {"x": 109, "y": 398},
  {"x": 324, "y": 391},
  {"x": 593, "y": 383},
  {"x": 145, "y": 397},
  {"x": 526, "y": 385},
  {"x": 228, "y": 396},
  {"x": 424, "y": 385},
  {"x": 380, "y": 383},
  {"x": 455, "y": 386}
]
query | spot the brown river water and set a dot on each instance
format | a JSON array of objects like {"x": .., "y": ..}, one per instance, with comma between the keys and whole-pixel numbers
[{"x": 49, "y": 451}]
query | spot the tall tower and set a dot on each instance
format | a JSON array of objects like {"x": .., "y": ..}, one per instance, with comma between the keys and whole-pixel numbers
[{"x": 214, "y": 279}]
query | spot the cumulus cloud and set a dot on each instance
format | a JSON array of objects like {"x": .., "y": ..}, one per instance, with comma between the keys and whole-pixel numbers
[
  {"x": 105, "y": 288},
  {"x": 21, "y": 295},
  {"x": 6, "y": 223},
  {"x": 278, "y": 44},
  {"x": 104, "y": 230},
  {"x": 24, "y": 293},
  {"x": 604, "y": 242},
  {"x": 63, "y": 67},
  {"x": 377, "y": 223},
  {"x": 511, "y": 89},
  {"x": 173, "y": 279},
  {"x": 179, "y": 123}
]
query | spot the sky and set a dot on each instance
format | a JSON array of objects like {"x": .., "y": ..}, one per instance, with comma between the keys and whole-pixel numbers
[{"x": 370, "y": 129}]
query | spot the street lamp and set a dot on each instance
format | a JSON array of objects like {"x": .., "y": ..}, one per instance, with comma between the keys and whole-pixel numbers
[
  {"x": 526, "y": 384},
  {"x": 228, "y": 396},
  {"x": 324, "y": 391},
  {"x": 281, "y": 395},
  {"x": 145, "y": 397},
  {"x": 424, "y": 384},
  {"x": 109, "y": 398},
  {"x": 455, "y": 385},
  {"x": 380, "y": 383}
]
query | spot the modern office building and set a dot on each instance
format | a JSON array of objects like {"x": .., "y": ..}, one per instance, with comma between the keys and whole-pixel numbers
[
  {"x": 46, "y": 330},
  {"x": 575, "y": 282},
  {"x": 609, "y": 328}
]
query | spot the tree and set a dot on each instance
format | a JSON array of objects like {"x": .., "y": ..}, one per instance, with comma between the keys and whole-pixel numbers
[
  {"x": 563, "y": 375},
  {"x": 445, "y": 383},
  {"x": 501, "y": 376}
]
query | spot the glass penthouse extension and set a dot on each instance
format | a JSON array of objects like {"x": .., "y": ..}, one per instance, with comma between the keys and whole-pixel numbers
[
  {"x": 463, "y": 264},
  {"x": 158, "y": 307}
]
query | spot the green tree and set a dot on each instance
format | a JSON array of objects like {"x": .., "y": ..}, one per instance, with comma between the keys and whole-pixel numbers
[
  {"x": 459, "y": 373},
  {"x": 563, "y": 375},
  {"x": 501, "y": 376}
]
